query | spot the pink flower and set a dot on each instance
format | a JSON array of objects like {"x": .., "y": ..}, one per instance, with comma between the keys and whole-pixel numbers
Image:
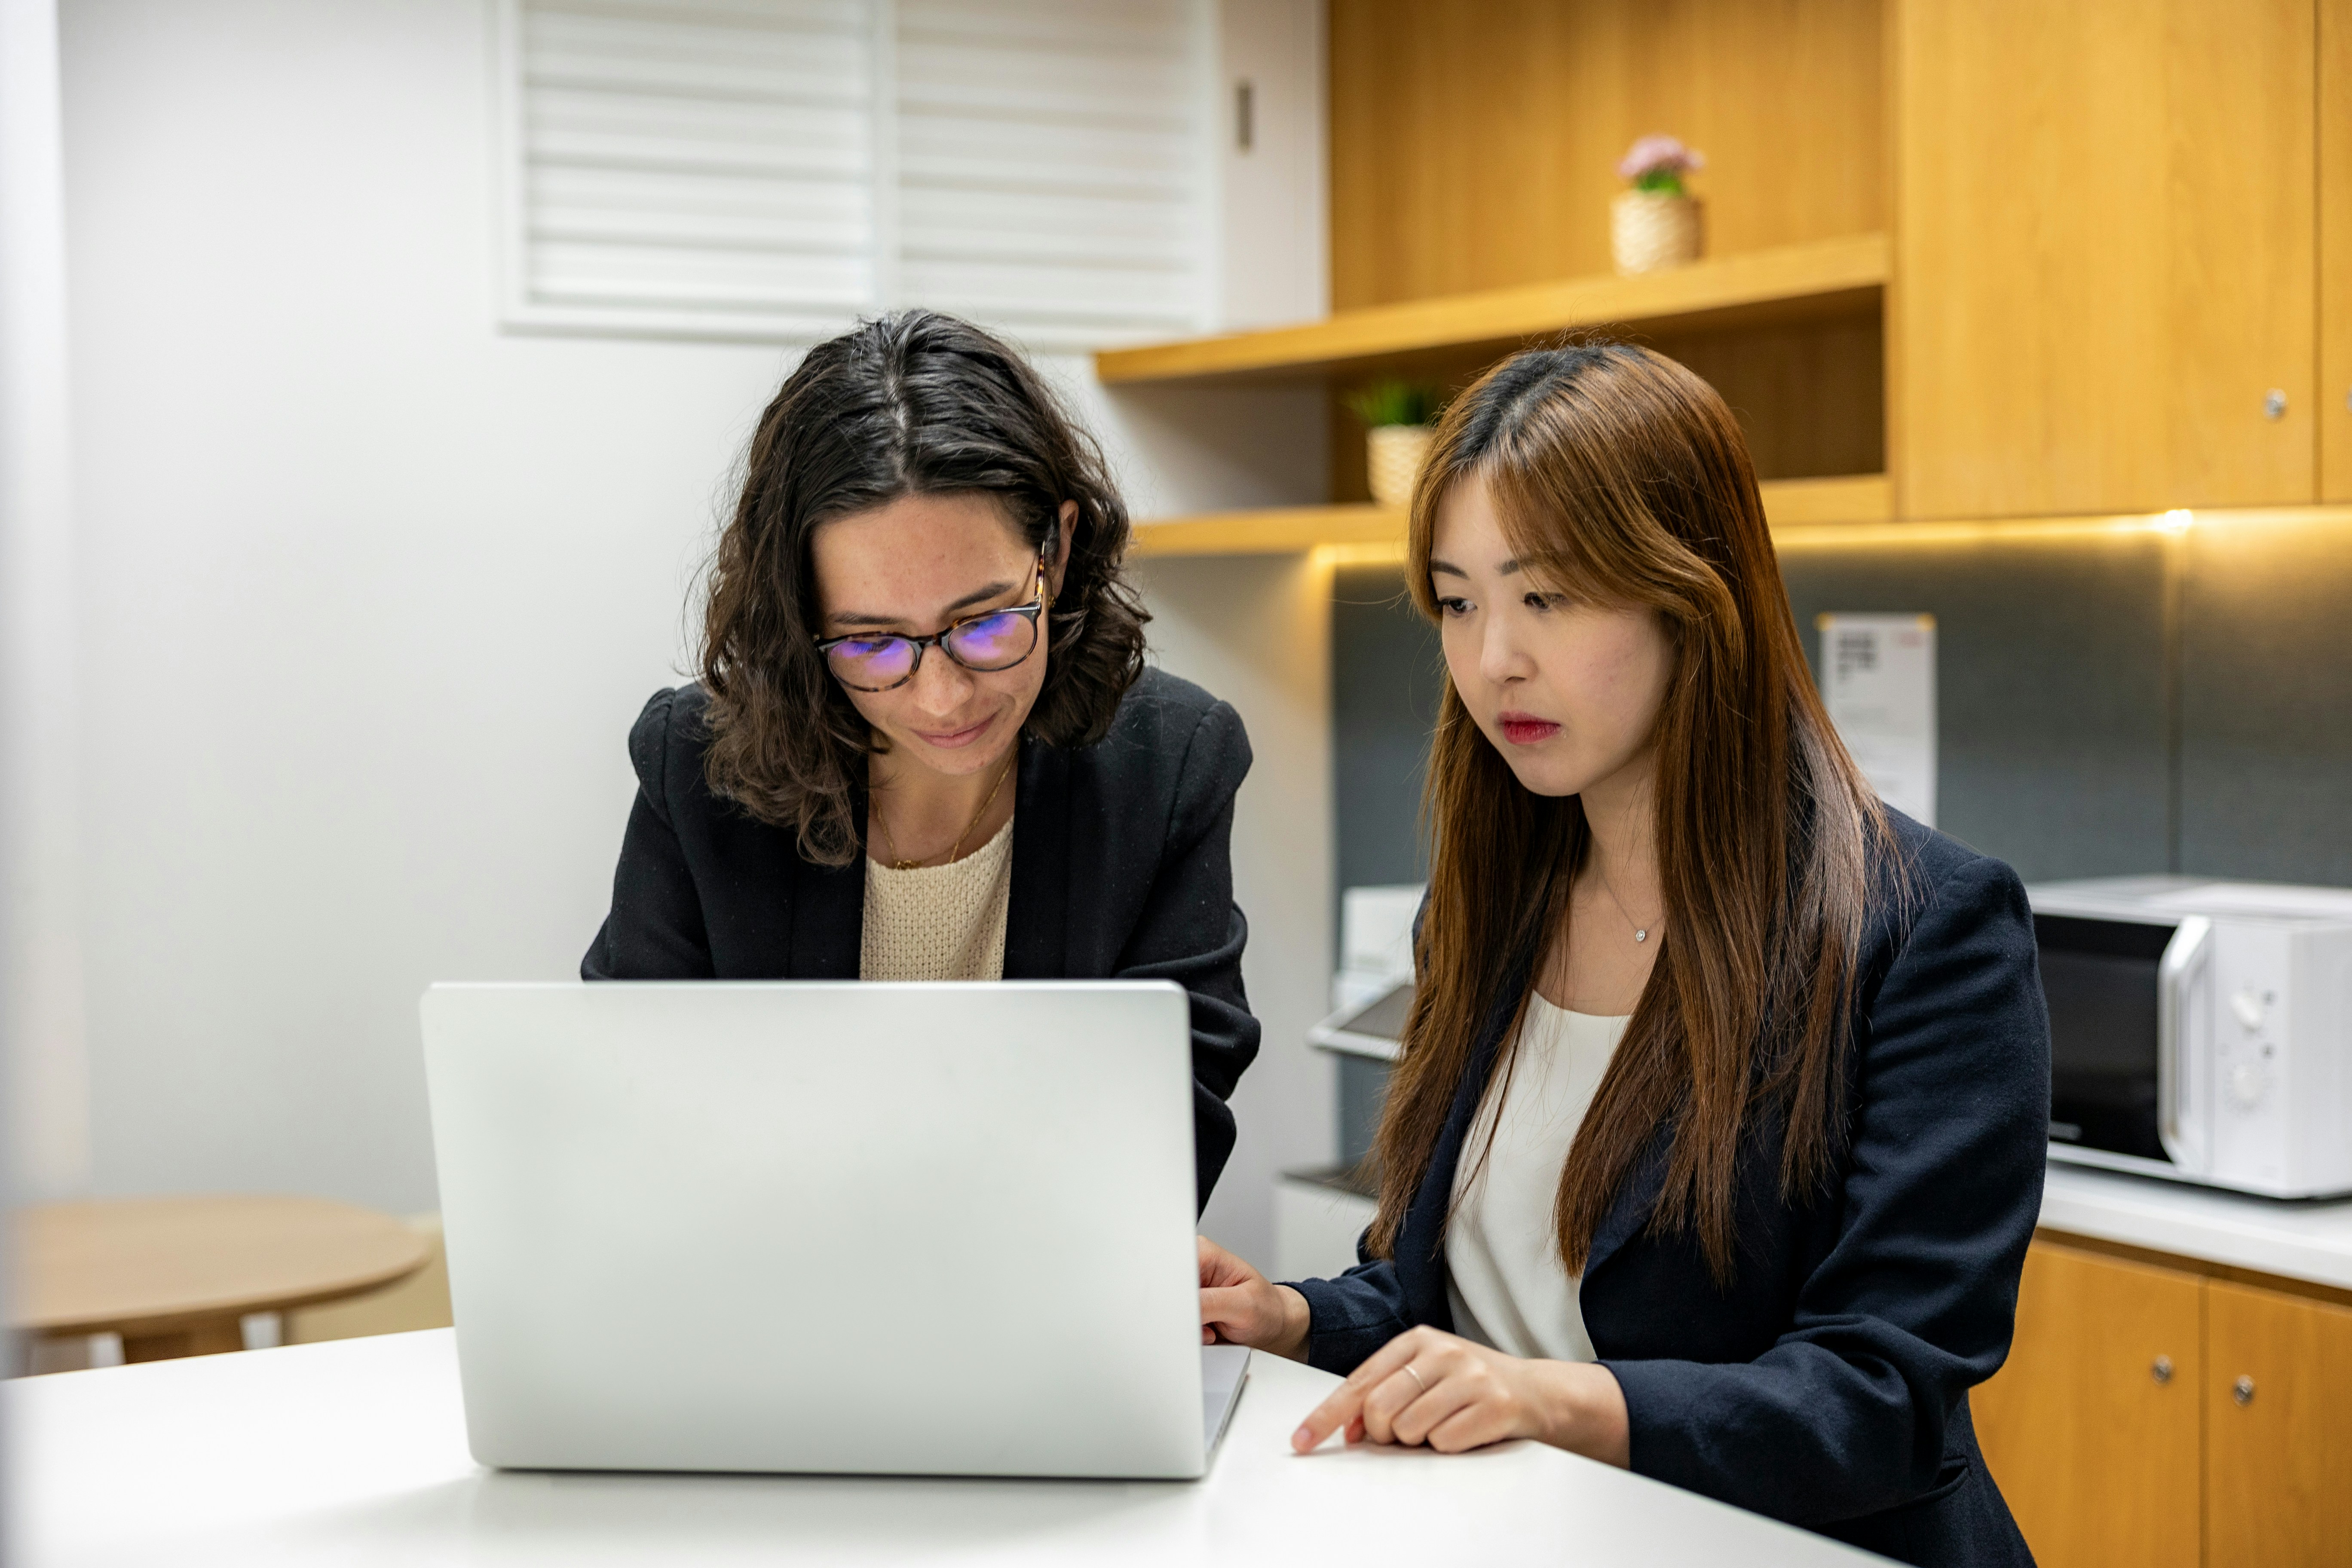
[{"x": 1660, "y": 155}]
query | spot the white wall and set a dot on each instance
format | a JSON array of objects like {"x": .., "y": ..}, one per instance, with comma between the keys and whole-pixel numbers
[
  {"x": 1256, "y": 630},
  {"x": 47, "y": 1129},
  {"x": 369, "y": 593}
]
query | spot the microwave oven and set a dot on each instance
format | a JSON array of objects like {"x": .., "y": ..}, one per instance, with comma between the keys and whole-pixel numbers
[{"x": 2200, "y": 1030}]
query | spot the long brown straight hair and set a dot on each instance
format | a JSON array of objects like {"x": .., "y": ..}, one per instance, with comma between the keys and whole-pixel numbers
[{"x": 1621, "y": 478}]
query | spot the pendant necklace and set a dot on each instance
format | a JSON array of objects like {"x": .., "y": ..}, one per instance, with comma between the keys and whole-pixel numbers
[
  {"x": 1640, "y": 933},
  {"x": 1001, "y": 774}
]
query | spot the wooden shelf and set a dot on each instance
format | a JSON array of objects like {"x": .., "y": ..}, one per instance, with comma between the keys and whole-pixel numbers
[
  {"x": 1859, "y": 498},
  {"x": 1830, "y": 278},
  {"x": 1851, "y": 498},
  {"x": 1280, "y": 531}
]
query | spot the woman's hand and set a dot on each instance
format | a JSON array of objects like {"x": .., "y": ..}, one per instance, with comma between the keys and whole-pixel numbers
[
  {"x": 1427, "y": 1387},
  {"x": 1240, "y": 1307}
]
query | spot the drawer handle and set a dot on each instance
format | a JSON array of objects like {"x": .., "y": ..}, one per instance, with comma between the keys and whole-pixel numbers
[
  {"x": 2162, "y": 1370},
  {"x": 2275, "y": 403},
  {"x": 2242, "y": 1391}
]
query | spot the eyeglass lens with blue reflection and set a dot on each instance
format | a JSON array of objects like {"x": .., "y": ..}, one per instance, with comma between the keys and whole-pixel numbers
[{"x": 992, "y": 640}]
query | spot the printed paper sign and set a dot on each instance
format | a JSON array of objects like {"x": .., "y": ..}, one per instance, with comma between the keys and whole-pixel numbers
[{"x": 1878, "y": 678}]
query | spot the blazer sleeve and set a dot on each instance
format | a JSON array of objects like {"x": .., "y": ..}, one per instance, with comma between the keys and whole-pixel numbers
[
  {"x": 1912, "y": 1304},
  {"x": 655, "y": 929},
  {"x": 1351, "y": 1317},
  {"x": 1192, "y": 932}
]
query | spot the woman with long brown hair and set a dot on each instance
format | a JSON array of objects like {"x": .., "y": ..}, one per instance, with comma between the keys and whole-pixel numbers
[
  {"x": 925, "y": 744},
  {"x": 1716, "y": 1137}
]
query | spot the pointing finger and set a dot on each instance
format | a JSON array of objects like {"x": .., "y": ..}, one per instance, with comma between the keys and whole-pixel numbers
[{"x": 1344, "y": 1407}]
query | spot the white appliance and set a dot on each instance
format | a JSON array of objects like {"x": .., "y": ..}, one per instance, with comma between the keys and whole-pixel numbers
[
  {"x": 1319, "y": 1211},
  {"x": 2200, "y": 1030},
  {"x": 914, "y": 1229},
  {"x": 1375, "y": 941}
]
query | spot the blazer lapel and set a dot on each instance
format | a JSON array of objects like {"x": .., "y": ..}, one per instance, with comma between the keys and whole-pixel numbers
[
  {"x": 828, "y": 937},
  {"x": 1420, "y": 1250},
  {"x": 1039, "y": 906},
  {"x": 1630, "y": 1210}
]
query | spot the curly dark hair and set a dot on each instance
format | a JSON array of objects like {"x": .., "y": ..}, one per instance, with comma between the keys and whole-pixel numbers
[{"x": 913, "y": 403}]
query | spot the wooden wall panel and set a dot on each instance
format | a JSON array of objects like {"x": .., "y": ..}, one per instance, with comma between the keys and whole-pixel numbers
[
  {"x": 2096, "y": 1457},
  {"x": 2336, "y": 250},
  {"x": 2104, "y": 256},
  {"x": 1474, "y": 144},
  {"x": 1810, "y": 398}
]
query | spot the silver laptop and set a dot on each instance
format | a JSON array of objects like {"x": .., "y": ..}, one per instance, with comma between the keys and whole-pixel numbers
[{"x": 825, "y": 1226}]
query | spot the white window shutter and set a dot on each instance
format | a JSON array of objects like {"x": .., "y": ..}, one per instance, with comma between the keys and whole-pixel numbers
[
  {"x": 771, "y": 170},
  {"x": 697, "y": 168},
  {"x": 1055, "y": 159}
]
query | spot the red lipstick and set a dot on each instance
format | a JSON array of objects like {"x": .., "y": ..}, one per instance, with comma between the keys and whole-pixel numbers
[{"x": 1525, "y": 729}]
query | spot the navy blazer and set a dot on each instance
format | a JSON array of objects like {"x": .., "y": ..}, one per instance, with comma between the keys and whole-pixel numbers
[
  {"x": 1122, "y": 869},
  {"x": 1828, "y": 1385}
]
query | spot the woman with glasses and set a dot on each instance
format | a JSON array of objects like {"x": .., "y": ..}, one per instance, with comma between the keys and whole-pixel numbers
[
  {"x": 1717, "y": 1138},
  {"x": 924, "y": 745}
]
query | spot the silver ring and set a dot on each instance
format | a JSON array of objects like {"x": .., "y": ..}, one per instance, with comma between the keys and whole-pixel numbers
[{"x": 1416, "y": 1377}]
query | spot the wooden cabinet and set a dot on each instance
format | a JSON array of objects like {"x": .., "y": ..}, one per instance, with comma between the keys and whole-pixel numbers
[
  {"x": 2278, "y": 1404},
  {"x": 2336, "y": 250},
  {"x": 2106, "y": 256},
  {"x": 2091, "y": 1427},
  {"x": 2150, "y": 1415},
  {"x": 2109, "y": 242},
  {"x": 1477, "y": 149}
]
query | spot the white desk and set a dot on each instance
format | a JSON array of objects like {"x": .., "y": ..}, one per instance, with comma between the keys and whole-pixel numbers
[{"x": 353, "y": 1453}]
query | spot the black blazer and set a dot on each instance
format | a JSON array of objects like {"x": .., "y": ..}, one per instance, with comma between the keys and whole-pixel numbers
[
  {"x": 1122, "y": 869},
  {"x": 1829, "y": 1385}
]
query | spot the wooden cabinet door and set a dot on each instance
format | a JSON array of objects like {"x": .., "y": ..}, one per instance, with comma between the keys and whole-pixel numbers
[
  {"x": 2336, "y": 250},
  {"x": 2104, "y": 256},
  {"x": 2091, "y": 1426},
  {"x": 2278, "y": 1426}
]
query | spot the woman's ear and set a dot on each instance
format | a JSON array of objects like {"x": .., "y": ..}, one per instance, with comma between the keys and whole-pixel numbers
[{"x": 1064, "y": 527}]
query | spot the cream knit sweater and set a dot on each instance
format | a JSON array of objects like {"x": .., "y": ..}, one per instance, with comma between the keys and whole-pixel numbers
[{"x": 938, "y": 922}]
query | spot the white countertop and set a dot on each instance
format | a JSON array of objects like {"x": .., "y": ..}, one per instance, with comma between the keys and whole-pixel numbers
[
  {"x": 355, "y": 1452},
  {"x": 2308, "y": 1241}
]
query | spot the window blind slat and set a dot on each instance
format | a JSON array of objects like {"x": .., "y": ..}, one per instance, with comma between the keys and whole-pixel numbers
[
  {"x": 706, "y": 167},
  {"x": 1051, "y": 166}
]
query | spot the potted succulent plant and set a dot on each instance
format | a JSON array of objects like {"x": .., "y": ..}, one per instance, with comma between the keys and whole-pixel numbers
[
  {"x": 1400, "y": 417},
  {"x": 1657, "y": 223}
]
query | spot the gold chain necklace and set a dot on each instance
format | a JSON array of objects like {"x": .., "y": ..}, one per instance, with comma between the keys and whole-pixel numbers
[{"x": 888, "y": 838}]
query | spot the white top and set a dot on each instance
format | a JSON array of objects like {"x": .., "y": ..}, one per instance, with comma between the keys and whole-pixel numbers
[
  {"x": 354, "y": 1452},
  {"x": 1506, "y": 1283},
  {"x": 939, "y": 923}
]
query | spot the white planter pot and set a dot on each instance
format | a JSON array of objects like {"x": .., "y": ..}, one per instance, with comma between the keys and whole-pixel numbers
[
  {"x": 1392, "y": 456},
  {"x": 1649, "y": 230}
]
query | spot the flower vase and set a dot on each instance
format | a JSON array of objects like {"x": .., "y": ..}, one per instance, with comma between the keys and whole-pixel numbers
[{"x": 1649, "y": 230}]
